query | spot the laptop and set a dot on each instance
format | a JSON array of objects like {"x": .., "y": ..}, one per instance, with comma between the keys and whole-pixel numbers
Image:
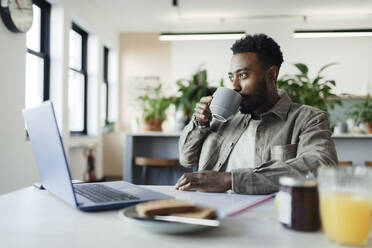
[{"x": 47, "y": 146}]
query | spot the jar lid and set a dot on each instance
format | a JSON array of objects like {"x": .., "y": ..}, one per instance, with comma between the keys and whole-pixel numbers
[{"x": 297, "y": 182}]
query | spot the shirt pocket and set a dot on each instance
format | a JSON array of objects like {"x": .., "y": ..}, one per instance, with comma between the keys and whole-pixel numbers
[
  {"x": 283, "y": 153},
  {"x": 210, "y": 151}
]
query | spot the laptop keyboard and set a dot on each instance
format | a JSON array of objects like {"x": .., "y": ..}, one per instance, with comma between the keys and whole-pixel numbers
[{"x": 102, "y": 193}]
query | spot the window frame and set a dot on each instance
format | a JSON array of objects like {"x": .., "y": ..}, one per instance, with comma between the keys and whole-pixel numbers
[
  {"x": 84, "y": 72},
  {"x": 106, "y": 52},
  {"x": 44, "y": 53}
]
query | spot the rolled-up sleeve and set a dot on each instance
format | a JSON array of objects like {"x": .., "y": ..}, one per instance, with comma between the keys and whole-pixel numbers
[{"x": 315, "y": 149}]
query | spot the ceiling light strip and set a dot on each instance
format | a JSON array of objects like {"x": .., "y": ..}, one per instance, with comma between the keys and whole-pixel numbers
[
  {"x": 332, "y": 33},
  {"x": 201, "y": 36}
]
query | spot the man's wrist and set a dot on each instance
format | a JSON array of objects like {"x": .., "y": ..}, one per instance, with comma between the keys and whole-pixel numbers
[
  {"x": 198, "y": 123},
  {"x": 227, "y": 180}
]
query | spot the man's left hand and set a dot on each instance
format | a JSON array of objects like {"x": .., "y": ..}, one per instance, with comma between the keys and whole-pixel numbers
[{"x": 207, "y": 181}]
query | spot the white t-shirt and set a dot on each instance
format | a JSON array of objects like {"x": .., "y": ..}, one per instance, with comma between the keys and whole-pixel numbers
[{"x": 243, "y": 154}]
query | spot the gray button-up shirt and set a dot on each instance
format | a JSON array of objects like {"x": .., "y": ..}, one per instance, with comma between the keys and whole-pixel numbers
[{"x": 292, "y": 139}]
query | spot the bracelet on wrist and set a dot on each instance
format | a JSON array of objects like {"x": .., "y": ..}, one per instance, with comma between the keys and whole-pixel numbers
[{"x": 200, "y": 124}]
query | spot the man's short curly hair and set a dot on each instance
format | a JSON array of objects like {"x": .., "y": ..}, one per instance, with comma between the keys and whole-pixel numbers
[{"x": 266, "y": 49}]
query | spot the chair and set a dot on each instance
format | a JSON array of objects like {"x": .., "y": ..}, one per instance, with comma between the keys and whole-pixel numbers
[
  {"x": 345, "y": 163},
  {"x": 368, "y": 163},
  {"x": 158, "y": 163}
]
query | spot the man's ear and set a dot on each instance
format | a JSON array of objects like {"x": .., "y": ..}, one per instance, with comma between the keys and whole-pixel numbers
[{"x": 272, "y": 73}]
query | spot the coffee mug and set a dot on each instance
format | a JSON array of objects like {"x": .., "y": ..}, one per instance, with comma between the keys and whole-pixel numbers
[{"x": 225, "y": 104}]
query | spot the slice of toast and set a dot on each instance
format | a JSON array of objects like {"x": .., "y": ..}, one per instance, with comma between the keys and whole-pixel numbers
[
  {"x": 200, "y": 212},
  {"x": 164, "y": 207}
]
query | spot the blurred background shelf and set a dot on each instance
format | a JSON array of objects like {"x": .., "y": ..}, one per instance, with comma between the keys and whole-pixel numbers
[
  {"x": 352, "y": 136},
  {"x": 152, "y": 158}
]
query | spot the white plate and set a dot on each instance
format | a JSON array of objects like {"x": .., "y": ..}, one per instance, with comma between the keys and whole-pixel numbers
[{"x": 128, "y": 215}]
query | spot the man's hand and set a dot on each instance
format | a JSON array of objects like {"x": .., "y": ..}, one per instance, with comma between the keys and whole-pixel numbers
[
  {"x": 208, "y": 181},
  {"x": 202, "y": 112}
]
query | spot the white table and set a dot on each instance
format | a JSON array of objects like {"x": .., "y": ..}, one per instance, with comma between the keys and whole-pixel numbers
[{"x": 35, "y": 218}]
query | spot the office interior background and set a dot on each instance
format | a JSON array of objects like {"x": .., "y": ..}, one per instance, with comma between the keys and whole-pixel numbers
[{"x": 100, "y": 53}]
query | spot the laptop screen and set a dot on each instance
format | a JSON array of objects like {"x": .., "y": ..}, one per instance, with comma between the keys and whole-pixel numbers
[{"x": 48, "y": 151}]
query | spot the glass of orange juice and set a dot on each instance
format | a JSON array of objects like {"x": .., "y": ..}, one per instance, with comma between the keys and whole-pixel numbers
[{"x": 346, "y": 203}]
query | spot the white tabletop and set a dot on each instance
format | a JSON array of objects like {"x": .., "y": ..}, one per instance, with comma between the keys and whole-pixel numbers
[{"x": 35, "y": 218}]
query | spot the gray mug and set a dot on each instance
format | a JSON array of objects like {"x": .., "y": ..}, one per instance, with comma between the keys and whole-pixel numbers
[{"x": 225, "y": 104}]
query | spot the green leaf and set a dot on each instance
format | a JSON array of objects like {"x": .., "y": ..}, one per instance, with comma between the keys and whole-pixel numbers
[
  {"x": 221, "y": 82},
  {"x": 302, "y": 68},
  {"x": 316, "y": 80},
  {"x": 325, "y": 67},
  {"x": 154, "y": 104},
  {"x": 316, "y": 92},
  {"x": 361, "y": 112},
  {"x": 203, "y": 77},
  {"x": 192, "y": 92},
  {"x": 331, "y": 82}
]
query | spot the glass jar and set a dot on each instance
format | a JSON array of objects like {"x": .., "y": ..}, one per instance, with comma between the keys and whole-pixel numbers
[{"x": 299, "y": 204}]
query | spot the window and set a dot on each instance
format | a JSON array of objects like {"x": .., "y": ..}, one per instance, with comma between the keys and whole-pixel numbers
[
  {"x": 38, "y": 56},
  {"x": 105, "y": 88},
  {"x": 78, "y": 81}
]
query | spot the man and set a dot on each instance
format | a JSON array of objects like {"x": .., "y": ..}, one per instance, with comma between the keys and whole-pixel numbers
[{"x": 268, "y": 138}]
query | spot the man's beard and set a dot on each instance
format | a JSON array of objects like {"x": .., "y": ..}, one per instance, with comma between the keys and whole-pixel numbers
[{"x": 251, "y": 102}]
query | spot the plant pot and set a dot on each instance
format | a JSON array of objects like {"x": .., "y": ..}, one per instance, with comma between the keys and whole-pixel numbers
[
  {"x": 152, "y": 125},
  {"x": 368, "y": 127}
]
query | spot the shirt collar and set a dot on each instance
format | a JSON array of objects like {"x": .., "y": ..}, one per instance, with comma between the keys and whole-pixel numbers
[{"x": 281, "y": 107}]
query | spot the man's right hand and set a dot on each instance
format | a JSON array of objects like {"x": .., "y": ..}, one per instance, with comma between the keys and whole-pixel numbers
[{"x": 202, "y": 112}]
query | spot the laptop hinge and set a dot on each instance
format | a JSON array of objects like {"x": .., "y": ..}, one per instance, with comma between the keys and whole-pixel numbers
[{"x": 39, "y": 186}]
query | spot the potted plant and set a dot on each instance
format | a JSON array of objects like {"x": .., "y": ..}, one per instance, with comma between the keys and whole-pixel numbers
[
  {"x": 154, "y": 105},
  {"x": 314, "y": 92},
  {"x": 109, "y": 126},
  {"x": 191, "y": 91},
  {"x": 362, "y": 112}
]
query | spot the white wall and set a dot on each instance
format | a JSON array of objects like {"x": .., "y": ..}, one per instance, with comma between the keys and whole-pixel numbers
[
  {"x": 189, "y": 56},
  {"x": 141, "y": 55},
  {"x": 17, "y": 166},
  {"x": 352, "y": 54},
  {"x": 16, "y": 160}
]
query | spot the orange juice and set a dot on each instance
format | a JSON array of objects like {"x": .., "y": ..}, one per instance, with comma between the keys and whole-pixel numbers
[{"x": 346, "y": 218}]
